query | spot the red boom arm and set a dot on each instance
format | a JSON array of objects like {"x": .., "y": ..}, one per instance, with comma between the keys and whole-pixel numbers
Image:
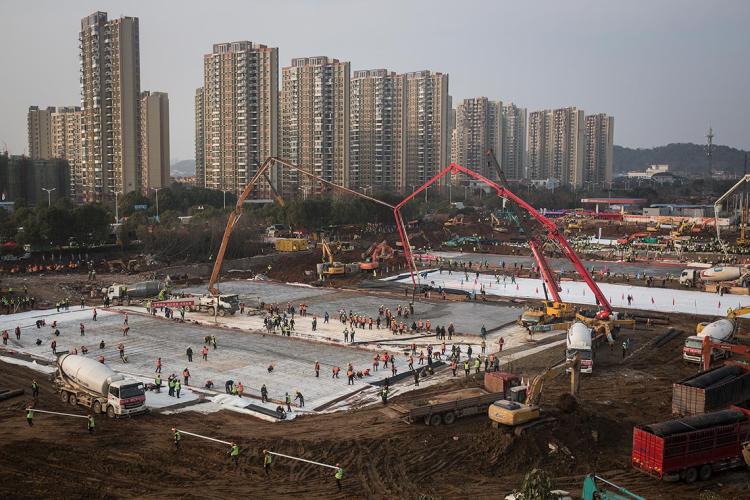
[{"x": 550, "y": 226}]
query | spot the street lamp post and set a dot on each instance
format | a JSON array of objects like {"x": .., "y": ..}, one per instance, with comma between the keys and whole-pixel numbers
[
  {"x": 157, "y": 204},
  {"x": 117, "y": 208},
  {"x": 49, "y": 196},
  {"x": 225, "y": 198}
]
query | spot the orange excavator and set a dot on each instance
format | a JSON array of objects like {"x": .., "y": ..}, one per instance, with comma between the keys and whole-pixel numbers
[
  {"x": 375, "y": 254},
  {"x": 234, "y": 217},
  {"x": 709, "y": 345}
]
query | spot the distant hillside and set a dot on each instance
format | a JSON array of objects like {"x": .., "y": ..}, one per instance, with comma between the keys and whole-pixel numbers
[
  {"x": 183, "y": 168},
  {"x": 682, "y": 158}
]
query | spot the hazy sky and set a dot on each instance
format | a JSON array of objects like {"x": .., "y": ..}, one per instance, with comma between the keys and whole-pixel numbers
[{"x": 665, "y": 69}]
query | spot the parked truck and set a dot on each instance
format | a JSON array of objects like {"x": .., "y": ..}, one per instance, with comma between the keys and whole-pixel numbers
[
  {"x": 720, "y": 331},
  {"x": 121, "y": 294},
  {"x": 692, "y": 448},
  {"x": 712, "y": 390},
  {"x": 86, "y": 382},
  {"x": 446, "y": 408},
  {"x": 583, "y": 340},
  {"x": 227, "y": 304}
]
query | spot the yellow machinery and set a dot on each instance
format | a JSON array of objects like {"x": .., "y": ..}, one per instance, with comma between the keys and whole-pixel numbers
[
  {"x": 455, "y": 221},
  {"x": 331, "y": 267},
  {"x": 549, "y": 312},
  {"x": 522, "y": 410},
  {"x": 291, "y": 244}
]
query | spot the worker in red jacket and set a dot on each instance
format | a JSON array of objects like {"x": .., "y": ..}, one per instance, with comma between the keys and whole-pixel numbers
[{"x": 158, "y": 365}]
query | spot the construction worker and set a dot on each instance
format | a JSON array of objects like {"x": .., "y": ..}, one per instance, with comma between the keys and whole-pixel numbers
[
  {"x": 234, "y": 453},
  {"x": 317, "y": 369},
  {"x": 186, "y": 376},
  {"x": 240, "y": 389},
  {"x": 204, "y": 351},
  {"x": 301, "y": 399},
  {"x": 288, "y": 401},
  {"x": 34, "y": 389},
  {"x": 213, "y": 341},
  {"x": 30, "y": 416},
  {"x": 416, "y": 378},
  {"x": 158, "y": 365},
  {"x": 484, "y": 345},
  {"x": 264, "y": 394},
  {"x": 157, "y": 382},
  {"x": 171, "y": 385},
  {"x": 467, "y": 369},
  {"x": 177, "y": 438},
  {"x": 90, "y": 424},
  {"x": 267, "y": 461},
  {"x": 189, "y": 353},
  {"x": 384, "y": 394},
  {"x": 500, "y": 344},
  {"x": 454, "y": 366},
  {"x": 83, "y": 330},
  {"x": 477, "y": 364},
  {"x": 339, "y": 475},
  {"x": 18, "y": 332},
  {"x": 177, "y": 387}
]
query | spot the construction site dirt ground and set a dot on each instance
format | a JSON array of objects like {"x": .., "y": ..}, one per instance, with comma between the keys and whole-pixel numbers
[{"x": 382, "y": 455}]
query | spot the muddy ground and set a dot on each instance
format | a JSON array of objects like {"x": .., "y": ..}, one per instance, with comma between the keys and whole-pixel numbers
[{"x": 382, "y": 455}]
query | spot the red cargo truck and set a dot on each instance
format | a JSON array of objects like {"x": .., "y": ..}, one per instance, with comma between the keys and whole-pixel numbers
[{"x": 693, "y": 447}]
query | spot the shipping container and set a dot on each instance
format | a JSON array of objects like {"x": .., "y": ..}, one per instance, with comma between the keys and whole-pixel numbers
[
  {"x": 691, "y": 448},
  {"x": 712, "y": 390}
]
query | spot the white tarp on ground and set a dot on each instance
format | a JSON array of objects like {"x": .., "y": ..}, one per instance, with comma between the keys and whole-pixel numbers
[{"x": 662, "y": 300}]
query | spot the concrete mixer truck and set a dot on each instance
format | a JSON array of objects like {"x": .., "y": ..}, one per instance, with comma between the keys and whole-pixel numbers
[
  {"x": 86, "y": 382},
  {"x": 720, "y": 331}
]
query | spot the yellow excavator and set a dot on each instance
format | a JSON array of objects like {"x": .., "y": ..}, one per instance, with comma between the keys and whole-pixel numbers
[
  {"x": 331, "y": 267},
  {"x": 522, "y": 410}
]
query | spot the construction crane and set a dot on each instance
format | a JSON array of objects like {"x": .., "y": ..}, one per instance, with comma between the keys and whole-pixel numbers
[
  {"x": 234, "y": 217},
  {"x": 709, "y": 346},
  {"x": 740, "y": 184},
  {"x": 548, "y": 225},
  {"x": 535, "y": 243}
]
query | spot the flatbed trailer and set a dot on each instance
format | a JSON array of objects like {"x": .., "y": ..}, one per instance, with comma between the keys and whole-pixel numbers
[
  {"x": 446, "y": 408},
  {"x": 712, "y": 390}
]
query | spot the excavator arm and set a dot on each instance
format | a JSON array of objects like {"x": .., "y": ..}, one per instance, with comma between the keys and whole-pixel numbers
[
  {"x": 534, "y": 395},
  {"x": 551, "y": 228},
  {"x": 708, "y": 346}
]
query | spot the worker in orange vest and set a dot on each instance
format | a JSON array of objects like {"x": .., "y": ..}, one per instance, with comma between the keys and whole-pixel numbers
[
  {"x": 186, "y": 375},
  {"x": 317, "y": 369},
  {"x": 240, "y": 389},
  {"x": 204, "y": 351}
]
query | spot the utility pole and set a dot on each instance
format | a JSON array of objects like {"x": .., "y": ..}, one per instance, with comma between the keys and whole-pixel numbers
[
  {"x": 710, "y": 150},
  {"x": 157, "y": 204},
  {"x": 49, "y": 196}
]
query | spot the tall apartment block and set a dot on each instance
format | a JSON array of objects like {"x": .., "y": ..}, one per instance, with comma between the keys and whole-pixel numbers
[
  {"x": 200, "y": 139},
  {"x": 428, "y": 133},
  {"x": 556, "y": 145},
  {"x": 237, "y": 116},
  {"x": 315, "y": 122},
  {"x": 478, "y": 128},
  {"x": 512, "y": 154},
  {"x": 66, "y": 143},
  {"x": 377, "y": 139},
  {"x": 110, "y": 92},
  {"x": 154, "y": 141},
  {"x": 39, "y": 125},
  {"x": 598, "y": 163}
]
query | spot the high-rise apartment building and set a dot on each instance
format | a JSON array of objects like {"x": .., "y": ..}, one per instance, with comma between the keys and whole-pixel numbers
[
  {"x": 428, "y": 132},
  {"x": 377, "y": 137},
  {"x": 200, "y": 139},
  {"x": 512, "y": 154},
  {"x": 237, "y": 116},
  {"x": 154, "y": 141},
  {"x": 315, "y": 122},
  {"x": 66, "y": 143},
  {"x": 598, "y": 164},
  {"x": 39, "y": 125},
  {"x": 556, "y": 145},
  {"x": 110, "y": 90},
  {"x": 478, "y": 128}
]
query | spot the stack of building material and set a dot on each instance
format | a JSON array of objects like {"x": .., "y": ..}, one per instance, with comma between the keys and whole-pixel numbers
[{"x": 712, "y": 390}]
